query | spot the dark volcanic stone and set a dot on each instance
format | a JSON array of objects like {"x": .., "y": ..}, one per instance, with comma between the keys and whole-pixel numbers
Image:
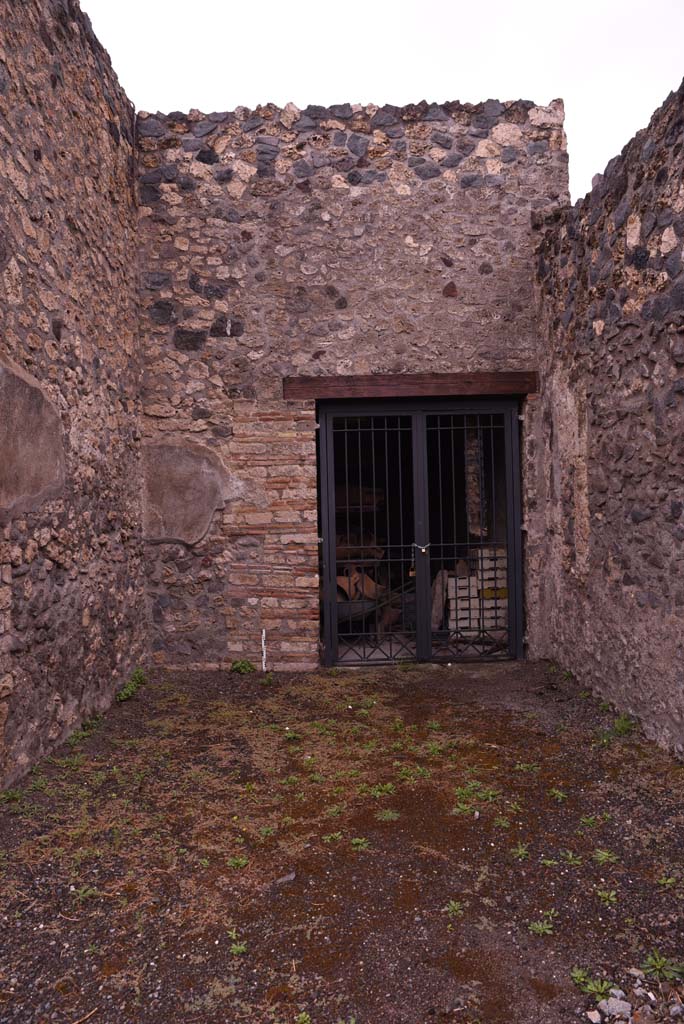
[
  {"x": 186, "y": 183},
  {"x": 382, "y": 118},
  {"x": 342, "y": 111},
  {"x": 222, "y": 174},
  {"x": 673, "y": 263},
  {"x": 449, "y": 290},
  {"x": 435, "y": 113},
  {"x": 640, "y": 258},
  {"x": 427, "y": 171},
  {"x": 621, "y": 214},
  {"x": 302, "y": 169},
  {"x": 149, "y": 194},
  {"x": 509, "y": 154},
  {"x": 151, "y": 177},
  {"x": 535, "y": 148},
  {"x": 202, "y": 128},
  {"x": 442, "y": 139},
  {"x": 471, "y": 181},
  {"x": 237, "y": 328},
  {"x": 677, "y": 296},
  {"x": 345, "y": 164},
  {"x": 150, "y": 128},
  {"x": 452, "y": 160},
  {"x": 207, "y": 155},
  {"x": 493, "y": 109},
  {"x": 304, "y": 124},
  {"x": 354, "y": 177},
  {"x": 189, "y": 341},
  {"x": 252, "y": 123},
  {"x": 156, "y": 279},
  {"x": 162, "y": 311},
  {"x": 219, "y": 328},
  {"x": 357, "y": 144}
]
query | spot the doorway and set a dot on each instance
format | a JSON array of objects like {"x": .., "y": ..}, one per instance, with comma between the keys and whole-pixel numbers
[{"x": 420, "y": 513}]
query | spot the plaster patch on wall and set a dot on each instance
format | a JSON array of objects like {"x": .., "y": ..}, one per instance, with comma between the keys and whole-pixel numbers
[
  {"x": 184, "y": 485},
  {"x": 31, "y": 445}
]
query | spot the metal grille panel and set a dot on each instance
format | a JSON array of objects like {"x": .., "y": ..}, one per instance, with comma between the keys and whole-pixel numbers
[{"x": 420, "y": 532}]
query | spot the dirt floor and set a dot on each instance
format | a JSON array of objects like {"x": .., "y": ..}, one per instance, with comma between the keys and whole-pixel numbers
[{"x": 395, "y": 846}]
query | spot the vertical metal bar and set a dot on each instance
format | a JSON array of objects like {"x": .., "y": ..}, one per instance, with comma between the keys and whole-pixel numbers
[
  {"x": 455, "y": 608},
  {"x": 493, "y": 538},
  {"x": 388, "y": 535},
  {"x": 327, "y": 479},
  {"x": 440, "y": 423},
  {"x": 400, "y": 479},
  {"x": 364, "y": 614},
  {"x": 514, "y": 524},
  {"x": 421, "y": 538}
]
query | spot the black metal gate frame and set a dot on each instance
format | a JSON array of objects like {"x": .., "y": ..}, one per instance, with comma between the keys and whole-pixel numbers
[{"x": 419, "y": 410}]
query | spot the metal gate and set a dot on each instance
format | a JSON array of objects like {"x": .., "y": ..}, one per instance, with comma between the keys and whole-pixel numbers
[{"x": 420, "y": 513}]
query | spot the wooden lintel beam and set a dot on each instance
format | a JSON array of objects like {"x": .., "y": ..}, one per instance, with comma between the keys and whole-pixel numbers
[{"x": 412, "y": 385}]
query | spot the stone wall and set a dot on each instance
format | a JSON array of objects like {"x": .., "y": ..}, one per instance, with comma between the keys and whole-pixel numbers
[
  {"x": 338, "y": 240},
  {"x": 606, "y": 495},
  {"x": 71, "y": 602}
]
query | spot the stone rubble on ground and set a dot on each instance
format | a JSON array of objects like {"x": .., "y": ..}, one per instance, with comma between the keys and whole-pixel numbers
[{"x": 643, "y": 1003}]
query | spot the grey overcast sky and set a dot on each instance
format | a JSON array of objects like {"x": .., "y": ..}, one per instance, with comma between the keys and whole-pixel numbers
[{"x": 612, "y": 61}]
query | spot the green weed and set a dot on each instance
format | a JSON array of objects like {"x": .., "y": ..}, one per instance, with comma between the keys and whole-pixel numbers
[
  {"x": 598, "y": 988},
  {"x": 659, "y": 966},
  {"x": 132, "y": 686},
  {"x": 624, "y": 725},
  {"x": 605, "y": 857},
  {"x": 387, "y": 814},
  {"x": 87, "y": 729},
  {"x": 545, "y": 925},
  {"x": 11, "y": 796},
  {"x": 238, "y": 862},
  {"x": 242, "y": 666},
  {"x": 85, "y": 892}
]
